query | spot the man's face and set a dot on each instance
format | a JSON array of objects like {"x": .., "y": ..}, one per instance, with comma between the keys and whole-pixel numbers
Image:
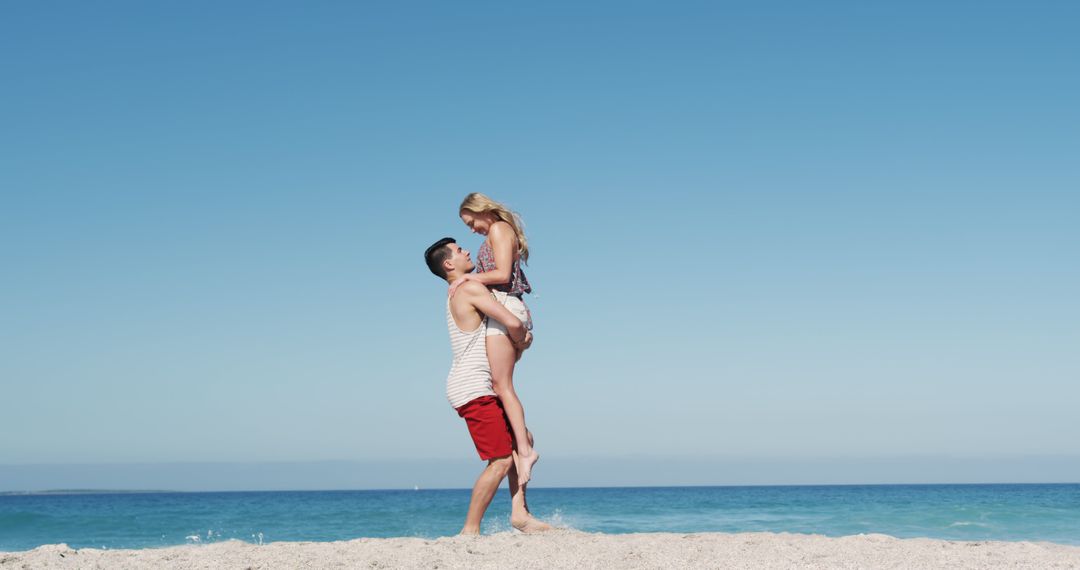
[{"x": 460, "y": 259}]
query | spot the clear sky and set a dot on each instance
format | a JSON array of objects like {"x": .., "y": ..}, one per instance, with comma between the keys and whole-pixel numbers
[{"x": 767, "y": 230}]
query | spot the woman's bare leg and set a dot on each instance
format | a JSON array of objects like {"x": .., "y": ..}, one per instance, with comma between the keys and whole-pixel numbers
[
  {"x": 501, "y": 357},
  {"x": 520, "y": 517}
]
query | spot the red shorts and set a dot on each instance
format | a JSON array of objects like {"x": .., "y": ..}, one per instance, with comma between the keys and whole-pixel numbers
[{"x": 488, "y": 426}]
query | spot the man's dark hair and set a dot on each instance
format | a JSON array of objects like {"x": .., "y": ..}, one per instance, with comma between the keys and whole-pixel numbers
[{"x": 437, "y": 254}]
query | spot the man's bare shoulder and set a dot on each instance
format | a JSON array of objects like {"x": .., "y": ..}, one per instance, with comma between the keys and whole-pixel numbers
[
  {"x": 473, "y": 289},
  {"x": 467, "y": 295}
]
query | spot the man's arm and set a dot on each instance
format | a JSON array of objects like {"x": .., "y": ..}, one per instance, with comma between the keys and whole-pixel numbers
[{"x": 480, "y": 298}]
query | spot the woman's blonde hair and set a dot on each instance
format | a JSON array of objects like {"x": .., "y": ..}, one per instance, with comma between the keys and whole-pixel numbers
[{"x": 478, "y": 203}]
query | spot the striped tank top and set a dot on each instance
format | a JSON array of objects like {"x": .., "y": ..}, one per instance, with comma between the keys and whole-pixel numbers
[{"x": 470, "y": 373}]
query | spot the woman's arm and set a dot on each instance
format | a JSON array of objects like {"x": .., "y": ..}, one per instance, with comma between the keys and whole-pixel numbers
[{"x": 503, "y": 241}]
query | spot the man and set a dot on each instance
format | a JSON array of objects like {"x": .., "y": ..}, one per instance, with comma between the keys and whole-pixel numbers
[{"x": 468, "y": 386}]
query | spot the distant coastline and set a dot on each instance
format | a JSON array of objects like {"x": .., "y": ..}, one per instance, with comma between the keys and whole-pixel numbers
[
  {"x": 87, "y": 492},
  {"x": 560, "y": 471},
  {"x": 11, "y": 493}
]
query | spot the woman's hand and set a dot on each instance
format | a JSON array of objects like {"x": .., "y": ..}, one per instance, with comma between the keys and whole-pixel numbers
[{"x": 459, "y": 282}]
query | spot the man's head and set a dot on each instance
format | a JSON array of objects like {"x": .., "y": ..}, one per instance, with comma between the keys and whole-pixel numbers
[{"x": 447, "y": 260}]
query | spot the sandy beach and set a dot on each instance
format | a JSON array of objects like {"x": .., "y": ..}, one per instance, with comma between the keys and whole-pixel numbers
[{"x": 571, "y": 549}]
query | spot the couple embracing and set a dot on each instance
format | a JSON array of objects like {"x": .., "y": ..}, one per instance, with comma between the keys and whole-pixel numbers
[{"x": 490, "y": 327}]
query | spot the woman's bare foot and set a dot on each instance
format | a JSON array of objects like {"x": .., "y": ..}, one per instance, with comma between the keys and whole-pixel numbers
[
  {"x": 524, "y": 464},
  {"x": 530, "y": 525}
]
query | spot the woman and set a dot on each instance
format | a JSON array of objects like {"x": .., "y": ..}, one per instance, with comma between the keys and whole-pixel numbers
[{"x": 498, "y": 267}]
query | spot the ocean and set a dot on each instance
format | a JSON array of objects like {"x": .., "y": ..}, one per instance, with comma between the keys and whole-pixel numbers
[{"x": 146, "y": 520}]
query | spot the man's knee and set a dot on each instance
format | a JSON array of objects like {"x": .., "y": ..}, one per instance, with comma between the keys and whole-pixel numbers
[{"x": 501, "y": 465}]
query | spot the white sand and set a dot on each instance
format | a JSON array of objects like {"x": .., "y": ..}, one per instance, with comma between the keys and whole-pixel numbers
[{"x": 571, "y": 549}]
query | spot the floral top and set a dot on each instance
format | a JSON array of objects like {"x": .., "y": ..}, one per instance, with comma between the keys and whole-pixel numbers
[{"x": 518, "y": 284}]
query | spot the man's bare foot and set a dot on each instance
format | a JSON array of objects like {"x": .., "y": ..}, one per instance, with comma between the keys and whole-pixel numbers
[
  {"x": 524, "y": 464},
  {"x": 468, "y": 532},
  {"x": 530, "y": 525}
]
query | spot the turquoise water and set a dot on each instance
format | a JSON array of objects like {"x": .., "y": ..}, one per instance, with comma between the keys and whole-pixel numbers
[{"x": 142, "y": 520}]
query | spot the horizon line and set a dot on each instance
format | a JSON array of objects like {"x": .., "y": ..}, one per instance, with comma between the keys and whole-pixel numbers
[
  {"x": 60, "y": 492},
  {"x": 576, "y": 457}
]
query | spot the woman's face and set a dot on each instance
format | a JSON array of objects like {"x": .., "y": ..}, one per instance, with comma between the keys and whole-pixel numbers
[{"x": 479, "y": 223}]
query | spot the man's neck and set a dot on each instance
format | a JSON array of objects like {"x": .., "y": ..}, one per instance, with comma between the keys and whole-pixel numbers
[{"x": 455, "y": 275}]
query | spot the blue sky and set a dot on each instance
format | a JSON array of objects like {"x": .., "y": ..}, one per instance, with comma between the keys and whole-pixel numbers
[{"x": 771, "y": 230}]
